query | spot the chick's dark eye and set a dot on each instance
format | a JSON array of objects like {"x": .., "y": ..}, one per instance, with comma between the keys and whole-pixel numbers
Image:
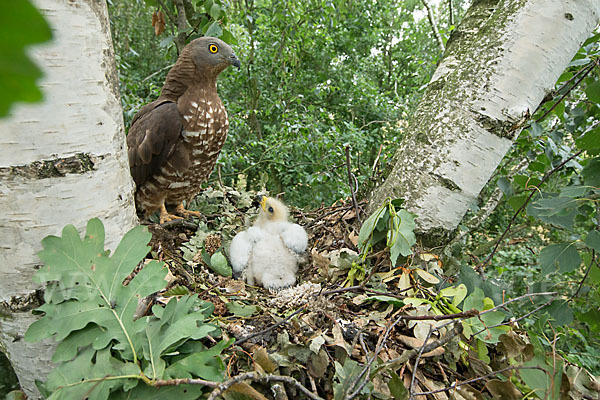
[
  {"x": 213, "y": 48},
  {"x": 270, "y": 209}
]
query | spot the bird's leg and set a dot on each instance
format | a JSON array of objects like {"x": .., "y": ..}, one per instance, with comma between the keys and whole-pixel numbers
[
  {"x": 186, "y": 213},
  {"x": 165, "y": 216}
]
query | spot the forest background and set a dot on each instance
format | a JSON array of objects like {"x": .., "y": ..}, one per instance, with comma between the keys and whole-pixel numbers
[{"x": 319, "y": 76}]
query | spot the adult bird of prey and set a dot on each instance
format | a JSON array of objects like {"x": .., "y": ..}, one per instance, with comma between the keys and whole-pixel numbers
[
  {"x": 268, "y": 252},
  {"x": 173, "y": 142}
]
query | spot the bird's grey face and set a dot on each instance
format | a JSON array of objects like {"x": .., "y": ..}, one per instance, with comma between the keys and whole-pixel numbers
[{"x": 213, "y": 52}]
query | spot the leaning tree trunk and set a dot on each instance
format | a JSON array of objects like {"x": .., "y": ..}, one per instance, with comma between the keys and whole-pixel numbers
[
  {"x": 499, "y": 64},
  {"x": 61, "y": 162}
]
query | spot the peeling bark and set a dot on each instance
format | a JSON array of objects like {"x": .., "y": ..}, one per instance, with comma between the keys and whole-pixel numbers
[
  {"x": 498, "y": 66},
  {"x": 62, "y": 162}
]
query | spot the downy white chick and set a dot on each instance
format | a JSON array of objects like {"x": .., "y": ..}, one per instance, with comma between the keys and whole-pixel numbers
[{"x": 267, "y": 253}]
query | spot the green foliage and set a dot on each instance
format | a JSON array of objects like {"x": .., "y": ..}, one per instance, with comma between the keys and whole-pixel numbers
[
  {"x": 104, "y": 351},
  {"x": 562, "y": 241},
  {"x": 392, "y": 223},
  {"x": 21, "y": 25},
  {"x": 315, "y": 76}
]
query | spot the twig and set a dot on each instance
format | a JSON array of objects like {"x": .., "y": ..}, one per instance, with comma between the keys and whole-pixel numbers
[
  {"x": 367, "y": 368},
  {"x": 534, "y": 190},
  {"x": 414, "y": 371},
  {"x": 450, "y": 13},
  {"x": 353, "y": 184},
  {"x": 455, "y": 385},
  {"x": 158, "y": 72},
  {"x": 594, "y": 261},
  {"x": 376, "y": 160},
  {"x": 221, "y": 387},
  {"x": 179, "y": 222},
  {"x": 364, "y": 289},
  {"x": 407, "y": 355},
  {"x": 510, "y": 322},
  {"x": 246, "y": 338},
  {"x": 185, "y": 381},
  {"x": 590, "y": 68},
  {"x": 330, "y": 213},
  {"x": 434, "y": 28}
]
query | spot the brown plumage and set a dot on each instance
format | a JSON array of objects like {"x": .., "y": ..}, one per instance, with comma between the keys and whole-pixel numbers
[{"x": 174, "y": 141}]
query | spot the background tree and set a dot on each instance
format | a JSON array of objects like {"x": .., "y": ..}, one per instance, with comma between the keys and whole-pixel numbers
[
  {"x": 62, "y": 161},
  {"x": 463, "y": 128}
]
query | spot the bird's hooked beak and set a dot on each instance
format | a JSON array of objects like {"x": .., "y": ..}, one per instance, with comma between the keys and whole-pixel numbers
[
  {"x": 233, "y": 60},
  {"x": 263, "y": 203}
]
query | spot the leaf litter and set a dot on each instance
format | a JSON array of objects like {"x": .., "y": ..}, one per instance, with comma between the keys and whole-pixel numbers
[{"x": 336, "y": 332}]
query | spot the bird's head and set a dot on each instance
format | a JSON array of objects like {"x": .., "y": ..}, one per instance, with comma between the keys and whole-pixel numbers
[
  {"x": 272, "y": 210},
  {"x": 212, "y": 53}
]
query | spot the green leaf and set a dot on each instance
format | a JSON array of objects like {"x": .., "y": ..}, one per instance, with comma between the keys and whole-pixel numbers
[
  {"x": 517, "y": 202},
  {"x": 561, "y": 312},
  {"x": 219, "y": 264},
  {"x": 174, "y": 324},
  {"x": 562, "y": 255},
  {"x": 593, "y": 92},
  {"x": 85, "y": 376},
  {"x": 592, "y": 318},
  {"x": 68, "y": 348},
  {"x": 215, "y": 11},
  {"x": 228, "y": 38},
  {"x": 397, "y": 389},
  {"x": 214, "y": 30},
  {"x": 536, "y": 130},
  {"x": 505, "y": 186},
  {"x": 386, "y": 299},
  {"x": 21, "y": 25},
  {"x": 553, "y": 209},
  {"x": 241, "y": 310},
  {"x": 176, "y": 291},
  {"x": 591, "y": 139},
  {"x": 404, "y": 236},
  {"x": 593, "y": 240},
  {"x": 367, "y": 228},
  {"x": 202, "y": 364},
  {"x": 93, "y": 312},
  {"x": 591, "y": 172}
]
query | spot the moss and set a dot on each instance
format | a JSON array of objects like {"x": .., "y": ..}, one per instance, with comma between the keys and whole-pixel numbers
[{"x": 76, "y": 164}]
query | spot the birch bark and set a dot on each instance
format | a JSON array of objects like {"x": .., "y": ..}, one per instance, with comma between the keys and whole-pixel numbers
[
  {"x": 62, "y": 162},
  {"x": 498, "y": 66}
]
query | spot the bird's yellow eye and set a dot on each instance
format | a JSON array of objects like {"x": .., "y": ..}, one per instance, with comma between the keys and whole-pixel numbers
[{"x": 213, "y": 48}]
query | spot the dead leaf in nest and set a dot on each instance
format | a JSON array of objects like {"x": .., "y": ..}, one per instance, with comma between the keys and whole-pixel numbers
[
  {"x": 353, "y": 238},
  {"x": 513, "y": 346},
  {"x": 466, "y": 392},
  {"x": 504, "y": 390},
  {"x": 235, "y": 286},
  {"x": 338, "y": 339},
  {"x": 319, "y": 260},
  {"x": 262, "y": 358},
  {"x": 245, "y": 390},
  {"x": 415, "y": 343},
  {"x": 381, "y": 387},
  {"x": 432, "y": 386},
  {"x": 349, "y": 215},
  {"x": 317, "y": 364}
]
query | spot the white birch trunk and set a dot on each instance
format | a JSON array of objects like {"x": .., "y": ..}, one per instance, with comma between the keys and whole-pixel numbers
[
  {"x": 62, "y": 162},
  {"x": 498, "y": 66}
]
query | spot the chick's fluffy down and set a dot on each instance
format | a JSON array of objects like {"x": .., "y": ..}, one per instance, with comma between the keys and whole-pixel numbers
[{"x": 267, "y": 254}]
